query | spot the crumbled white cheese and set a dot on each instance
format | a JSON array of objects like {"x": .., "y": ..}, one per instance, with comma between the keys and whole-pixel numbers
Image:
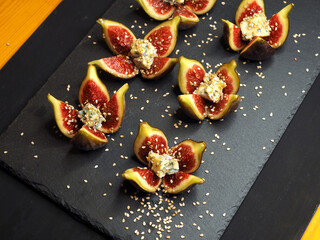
[
  {"x": 163, "y": 164},
  {"x": 91, "y": 116},
  {"x": 211, "y": 88},
  {"x": 174, "y": 2},
  {"x": 143, "y": 53},
  {"x": 255, "y": 26}
]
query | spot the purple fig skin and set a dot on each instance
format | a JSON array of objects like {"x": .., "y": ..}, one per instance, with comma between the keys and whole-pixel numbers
[{"x": 258, "y": 49}]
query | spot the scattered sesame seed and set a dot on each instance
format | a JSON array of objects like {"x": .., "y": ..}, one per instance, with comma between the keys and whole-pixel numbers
[
  {"x": 35, "y": 156},
  {"x": 85, "y": 180},
  {"x": 68, "y": 186},
  {"x": 5, "y": 152}
]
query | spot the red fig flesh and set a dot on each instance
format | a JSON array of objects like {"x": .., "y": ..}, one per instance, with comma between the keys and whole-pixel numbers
[
  {"x": 117, "y": 36},
  {"x": 143, "y": 178},
  {"x": 164, "y": 37},
  {"x": 66, "y": 117}
]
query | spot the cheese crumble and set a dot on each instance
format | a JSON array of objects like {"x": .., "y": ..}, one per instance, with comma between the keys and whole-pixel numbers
[
  {"x": 211, "y": 88},
  {"x": 91, "y": 116},
  {"x": 256, "y": 25},
  {"x": 174, "y": 2},
  {"x": 163, "y": 164},
  {"x": 143, "y": 53}
]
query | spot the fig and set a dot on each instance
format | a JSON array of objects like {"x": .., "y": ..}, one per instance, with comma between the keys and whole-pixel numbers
[
  {"x": 187, "y": 9},
  {"x": 114, "y": 111},
  {"x": 207, "y": 95},
  {"x": 190, "y": 74},
  {"x": 118, "y": 66},
  {"x": 194, "y": 106},
  {"x": 164, "y": 36},
  {"x": 258, "y": 49},
  {"x": 253, "y": 33},
  {"x": 160, "y": 67},
  {"x": 248, "y": 8},
  {"x": 88, "y": 139},
  {"x": 189, "y": 153},
  {"x": 170, "y": 165},
  {"x": 118, "y": 37},
  {"x": 66, "y": 117},
  {"x": 149, "y": 139},
  {"x": 157, "y": 9},
  {"x": 188, "y": 18},
  {"x": 178, "y": 182},
  {"x": 232, "y": 36},
  {"x": 143, "y": 178},
  {"x": 99, "y": 113},
  {"x": 148, "y": 56}
]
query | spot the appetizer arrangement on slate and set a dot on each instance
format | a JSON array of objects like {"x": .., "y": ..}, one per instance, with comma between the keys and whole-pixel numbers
[
  {"x": 170, "y": 168},
  {"x": 256, "y": 37},
  {"x": 99, "y": 113},
  {"x": 149, "y": 56},
  {"x": 186, "y": 9},
  {"x": 232, "y": 165},
  {"x": 211, "y": 95}
]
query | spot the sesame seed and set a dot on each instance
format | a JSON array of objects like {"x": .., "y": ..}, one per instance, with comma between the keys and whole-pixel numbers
[
  {"x": 68, "y": 186},
  {"x": 5, "y": 152},
  {"x": 85, "y": 180}
]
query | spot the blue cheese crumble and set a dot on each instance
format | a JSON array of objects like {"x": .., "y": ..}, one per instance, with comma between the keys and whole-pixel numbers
[
  {"x": 211, "y": 88},
  {"x": 143, "y": 53},
  {"x": 174, "y": 2},
  {"x": 163, "y": 164},
  {"x": 91, "y": 116},
  {"x": 256, "y": 25}
]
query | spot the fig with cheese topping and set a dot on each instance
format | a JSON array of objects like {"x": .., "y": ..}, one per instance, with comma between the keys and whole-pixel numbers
[
  {"x": 169, "y": 166},
  {"x": 99, "y": 113},
  {"x": 207, "y": 95},
  {"x": 148, "y": 56},
  {"x": 186, "y": 9},
  {"x": 257, "y": 37}
]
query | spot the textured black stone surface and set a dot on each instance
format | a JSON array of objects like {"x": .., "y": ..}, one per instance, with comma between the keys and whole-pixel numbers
[{"x": 231, "y": 172}]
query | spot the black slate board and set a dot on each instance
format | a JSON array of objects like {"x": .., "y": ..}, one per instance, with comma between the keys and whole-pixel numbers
[{"x": 231, "y": 173}]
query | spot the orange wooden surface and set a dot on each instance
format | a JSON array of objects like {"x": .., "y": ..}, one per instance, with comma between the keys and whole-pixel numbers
[
  {"x": 18, "y": 20},
  {"x": 313, "y": 230}
]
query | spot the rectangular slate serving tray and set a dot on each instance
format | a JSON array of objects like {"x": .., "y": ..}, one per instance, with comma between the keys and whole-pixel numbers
[{"x": 37, "y": 153}]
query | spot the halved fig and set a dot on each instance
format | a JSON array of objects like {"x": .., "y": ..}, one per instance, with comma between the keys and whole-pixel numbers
[
  {"x": 190, "y": 74},
  {"x": 179, "y": 182},
  {"x": 117, "y": 36},
  {"x": 279, "y": 24},
  {"x": 188, "y": 18},
  {"x": 114, "y": 111},
  {"x": 118, "y": 66},
  {"x": 228, "y": 73},
  {"x": 92, "y": 90},
  {"x": 157, "y": 9},
  {"x": 194, "y": 105},
  {"x": 149, "y": 139},
  {"x": 189, "y": 153},
  {"x": 159, "y": 68},
  {"x": 248, "y": 8},
  {"x": 164, "y": 36},
  {"x": 225, "y": 106},
  {"x": 257, "y": 49},
  {"x": 143, "y": 178},
  {"x": 66, "y": 117},
  {"x": 200, "y": 6},
  {"x": 232, "y": 35},
  {"x": 88, "y": 139}
]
